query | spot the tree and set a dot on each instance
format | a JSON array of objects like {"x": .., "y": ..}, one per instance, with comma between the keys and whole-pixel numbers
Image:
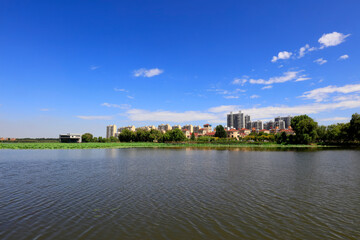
[
  {"x": 155, "y": 135},
  {"x": 87, "y": 137},
  {"x": 304, "y": 128},
  {"x": 321, "y": 133},
  {"x": 192, "y": 137},
  {"x": 176, "y": 135},
  {"x": 113, "y": 139},
  {"x": 127, "y": 136},
  {"x": 354, "y": 128},
  {"x": 142, "y": 135},
  {"x": 220, "y": 132}
]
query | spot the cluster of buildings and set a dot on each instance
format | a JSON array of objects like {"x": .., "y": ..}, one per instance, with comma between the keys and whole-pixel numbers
[
  {"x": 189, "y": 129},
  {"x": 238, "y": 126},
  {"x": 240, "y": 120},
  {"x": 7, "y": 139}
]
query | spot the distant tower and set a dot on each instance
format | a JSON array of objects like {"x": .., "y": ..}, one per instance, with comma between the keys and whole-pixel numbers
[
  {"x": 237, "y": 120},
  {"x": 110, "y": 131}
]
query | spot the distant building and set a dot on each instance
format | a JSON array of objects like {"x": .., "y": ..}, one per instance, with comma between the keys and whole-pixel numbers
[
  {"x": 233, "y": 133},
  {"x": 147, "y": 128},
  {"x": 287, "y": 120},
  {"x": 244, "y": 131},
  {"x": 269, "y": 125},
  {"x": 247, "y": 120},
  {"x": 70, "y": 138},
  {"x": 257, "y": 125},
  {"x": 208, "y": 127},
  {"x": 236, "y": 120},
  {"x": 188, "y": 127},
  {"x": 196, "y": 129},
  {"x": 187, "y": 133},
  {"x": 130, "y": 128},
  {"x": 164, "y": 127},
  {"x": 176, "y": 127},
  {"x": 110, "y": 131},
  {"x": 280, "y": 124}
]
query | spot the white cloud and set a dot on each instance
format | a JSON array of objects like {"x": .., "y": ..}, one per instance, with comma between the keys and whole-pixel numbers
[
  {"x": 305, "y": 49},
  {"x": 121, "y": 106},
  {"x": 272, "y": 111},
  {"x": 281, "y": 55},
  {"x": 224, "y": 108},
  {"x": 120, "y": 90},
  {"x": 42, "y": 109},
  {"x": 130, "y": 97},
  {"x": 93, "y": 67},
  {"x": 346, "y": 98},
  {"x": 218, "y": 114},
  {"x": 334, "y": 119},
  {"x": 320, "y": 94},
  {"x": 343, "y": 57},
  {"x": 302, "y": 78},
  {"x": 320, "y": 61},
  {"x": 168, "y": 116},
  {"x": 95, "y": 117},
  {"x": 239, "y": 81},
  {"x": 287, "y": 76},
  {"x": 231, "y": 97},
  {"x": 142, "y": 72},
  {"x": 266, "y": 87},
  {"x": 332, "y": 39},
  {"x": 226, "y": 92},
  {"x": 254, "y": 96}
]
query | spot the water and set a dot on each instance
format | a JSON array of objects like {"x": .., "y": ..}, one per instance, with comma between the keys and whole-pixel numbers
[{"x": 179, "y": 194}]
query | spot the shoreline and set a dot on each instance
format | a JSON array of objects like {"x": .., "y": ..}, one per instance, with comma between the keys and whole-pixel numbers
[{"x": 118, "y": 145}]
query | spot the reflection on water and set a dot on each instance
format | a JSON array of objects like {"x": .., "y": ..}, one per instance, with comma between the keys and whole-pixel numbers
[{"x": 179, "y": 194}]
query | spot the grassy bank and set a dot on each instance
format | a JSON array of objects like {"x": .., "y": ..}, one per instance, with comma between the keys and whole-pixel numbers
[{"x": 145, "y": 145}]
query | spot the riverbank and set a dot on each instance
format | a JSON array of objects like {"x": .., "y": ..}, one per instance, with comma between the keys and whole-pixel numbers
[{"x": 147, "y": 145}]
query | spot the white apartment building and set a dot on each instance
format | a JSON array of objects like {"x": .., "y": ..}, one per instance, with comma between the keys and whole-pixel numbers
[{"x": 111, "y": 131}]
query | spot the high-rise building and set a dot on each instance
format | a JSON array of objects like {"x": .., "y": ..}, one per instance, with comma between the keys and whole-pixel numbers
[
  {"x": 280, "y": 124},
  {"x": 269, "y": 125},
  {"x": 247, "y": 121},
  {"x": 258, "y": 125},
  {"x": 236, "y": 120},
  {"x": 287, "y": 120},
  {"x": 110, "y": 131}
]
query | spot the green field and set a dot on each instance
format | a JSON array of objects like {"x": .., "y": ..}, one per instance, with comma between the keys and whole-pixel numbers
[{"x": 144, "y": 145}]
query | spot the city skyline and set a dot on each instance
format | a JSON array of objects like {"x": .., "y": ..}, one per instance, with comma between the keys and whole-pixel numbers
[{"x": 80, "y": 67}]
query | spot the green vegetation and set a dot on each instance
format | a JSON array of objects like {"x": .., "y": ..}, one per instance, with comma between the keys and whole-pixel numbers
[
  {"x": 93, "y": 145},
  {"x": 220, "y": 132},
  {"x": 87, "y": 137},
  {"x": 175, "y": 135},
  {"x": 307, "y": 131}
]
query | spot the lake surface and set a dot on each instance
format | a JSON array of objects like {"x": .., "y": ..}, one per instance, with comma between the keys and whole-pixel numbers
[{"x": 179, "y": 194}]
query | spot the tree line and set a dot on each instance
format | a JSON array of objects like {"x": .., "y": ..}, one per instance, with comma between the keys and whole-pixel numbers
[
  {"x": 140, "y": 135},
  {"x": 306, "y": 130}
]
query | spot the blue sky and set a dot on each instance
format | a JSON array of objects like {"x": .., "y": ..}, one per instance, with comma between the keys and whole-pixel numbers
[{"x": 77, "y": 66}]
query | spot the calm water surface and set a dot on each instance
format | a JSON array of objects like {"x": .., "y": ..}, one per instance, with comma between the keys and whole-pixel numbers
[{"x": 179, "y": 194}]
